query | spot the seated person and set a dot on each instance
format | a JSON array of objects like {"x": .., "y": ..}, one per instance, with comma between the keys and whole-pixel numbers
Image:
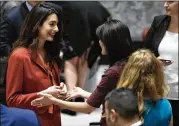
[
  {"x": 17, "y": 117},
  {"x": 121, "y": 108}
]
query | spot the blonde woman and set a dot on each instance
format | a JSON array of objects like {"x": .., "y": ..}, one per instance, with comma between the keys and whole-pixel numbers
[{"x": 143, "y": 72}]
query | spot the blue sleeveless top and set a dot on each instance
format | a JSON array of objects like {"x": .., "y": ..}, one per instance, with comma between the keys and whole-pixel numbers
[{"x": 157, "y": 114}]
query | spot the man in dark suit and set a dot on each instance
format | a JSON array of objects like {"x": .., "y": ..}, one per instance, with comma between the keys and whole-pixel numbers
[
  {"x": 7, "y": 5},
  {"x": 10, "y": 25}
]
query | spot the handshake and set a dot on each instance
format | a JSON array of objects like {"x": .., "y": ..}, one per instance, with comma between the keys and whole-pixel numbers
[{"x": 55, "y": 93}]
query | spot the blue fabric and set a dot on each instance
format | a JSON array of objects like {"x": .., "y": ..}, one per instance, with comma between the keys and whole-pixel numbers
[
  {"x": 157, "y": 114},
  {"x": 17, "y": 117}
]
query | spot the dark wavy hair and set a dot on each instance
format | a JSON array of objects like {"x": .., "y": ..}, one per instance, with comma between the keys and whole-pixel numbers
[
  {"x": 116, "y": 38},
  {"x": 29, "y": 31}
]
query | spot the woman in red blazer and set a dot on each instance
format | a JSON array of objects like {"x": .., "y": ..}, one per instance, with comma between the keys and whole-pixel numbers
[{"x": 33, "y": 66}]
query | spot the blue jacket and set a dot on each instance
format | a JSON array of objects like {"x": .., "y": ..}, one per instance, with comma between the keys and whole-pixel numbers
[{"x": 17, "y": 117}]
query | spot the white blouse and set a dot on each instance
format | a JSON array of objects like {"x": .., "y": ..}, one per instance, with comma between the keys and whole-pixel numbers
[{"x": 168, "y": 49}]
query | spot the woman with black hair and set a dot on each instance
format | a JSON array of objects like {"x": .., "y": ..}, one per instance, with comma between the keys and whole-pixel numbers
[
  {"x": 115, "y": 41},
  {"x": 33, "y": 64}
]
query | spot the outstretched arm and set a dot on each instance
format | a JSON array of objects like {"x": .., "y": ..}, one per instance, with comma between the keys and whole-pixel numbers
[
  {"x": 47, "y": 99},
  {"x": 77, "y": 92}
]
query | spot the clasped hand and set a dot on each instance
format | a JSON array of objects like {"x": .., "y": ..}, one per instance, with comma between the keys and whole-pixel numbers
[{"x": 48, "y": 96}]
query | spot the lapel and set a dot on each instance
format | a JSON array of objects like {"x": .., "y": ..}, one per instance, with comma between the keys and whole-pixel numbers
[
  {"x": 24, "y": 10},
  {"x": 36, "y": 59},
  {"x": 161, "y": 28},
  {"x": 55, "y": 70}
]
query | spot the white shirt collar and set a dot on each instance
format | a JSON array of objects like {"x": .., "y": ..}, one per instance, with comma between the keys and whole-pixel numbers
[
  {"x": 137, "y": 123},
  {"x": 28, "y": 6}
]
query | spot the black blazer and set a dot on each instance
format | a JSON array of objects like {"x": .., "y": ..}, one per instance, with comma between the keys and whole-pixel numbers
[
  {"x": 10, "y": 27},
  {"x": 156, "y": 33}
]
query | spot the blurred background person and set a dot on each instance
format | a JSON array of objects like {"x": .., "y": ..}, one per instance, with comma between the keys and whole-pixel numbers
[
  {"x": 121, "y": 108},
  {"x": 11, "y": 23},
  {"x": 162, "y": 39},
  {"x": 7, "y": 5}
]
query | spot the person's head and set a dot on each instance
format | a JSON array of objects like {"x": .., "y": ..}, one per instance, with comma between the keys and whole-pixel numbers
[
  {"x": 115, "y": 40},
  {"x": 121, "y": 107},
  {"x": 33, "y": 2},
  {"x": 42, "y": 24},
  {"x": 171, "y": 8},
  {"x": 143, "y": 72}
]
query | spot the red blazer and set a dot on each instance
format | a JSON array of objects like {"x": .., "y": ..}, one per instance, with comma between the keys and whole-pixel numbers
[{"x": 26, "y": 76}]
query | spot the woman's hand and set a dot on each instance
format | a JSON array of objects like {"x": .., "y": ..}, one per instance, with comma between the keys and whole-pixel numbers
[
  {"x": 63, "y": 87},
  {"x": 76, "y": 92},
  {"x": 164, "y": 62},
  {"x": 44, "y": 100},
  {"x": 57, "y": 91}
]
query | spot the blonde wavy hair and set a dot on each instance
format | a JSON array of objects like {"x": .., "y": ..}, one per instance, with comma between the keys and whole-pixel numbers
[{"x": 143, "y": 72}]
